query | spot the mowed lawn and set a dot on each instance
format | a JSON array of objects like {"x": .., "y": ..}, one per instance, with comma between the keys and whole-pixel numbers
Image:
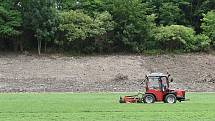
[{"x": 101, "y": 107}]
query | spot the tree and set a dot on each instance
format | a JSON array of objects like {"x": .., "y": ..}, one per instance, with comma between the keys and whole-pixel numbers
[
  {"x": 41, "y": 17},
  {"x": 169, "y": 14},
  {"x": 208, "y": 25},
  {"x": 10, "y": 21},
  {"x": 133, "y": 23},
  {"x": 207, "y": 5},
  {"x": 75, "y": 25},
  {"x": 194, "y": 10},
  {"x": 88, "y": 6}
]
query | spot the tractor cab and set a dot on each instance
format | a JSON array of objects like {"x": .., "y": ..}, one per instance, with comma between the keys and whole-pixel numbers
[
  {"x": 157, "y": 81},
  {"x": 157, "y": 90}
]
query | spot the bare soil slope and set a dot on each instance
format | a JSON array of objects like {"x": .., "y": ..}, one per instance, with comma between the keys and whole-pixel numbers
[{"x": 21, "y": 73}]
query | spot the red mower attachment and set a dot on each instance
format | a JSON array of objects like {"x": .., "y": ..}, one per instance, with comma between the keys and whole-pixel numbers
[{"x": 132, "y": 99}]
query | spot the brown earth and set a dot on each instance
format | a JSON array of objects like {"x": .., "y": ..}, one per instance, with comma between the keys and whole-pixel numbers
[{"x": 111, "y": 73}]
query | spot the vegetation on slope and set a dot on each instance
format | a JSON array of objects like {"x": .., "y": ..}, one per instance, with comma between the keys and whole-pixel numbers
[{"x": 94, "y": 26}]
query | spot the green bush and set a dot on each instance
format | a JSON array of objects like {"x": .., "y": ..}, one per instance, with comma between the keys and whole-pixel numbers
[
  {"x": 175, "y": 37},
  {"x": 82, "y": 32},
  {"x": 208, "y": 25},
  {"x": 202, "y": 43}
]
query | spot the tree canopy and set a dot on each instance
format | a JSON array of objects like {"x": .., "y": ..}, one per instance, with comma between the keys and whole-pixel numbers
[
  {"x": 208, "y": 25},
  {"x": 100, "y": 26},
  {"x": 10, "y": 20}
]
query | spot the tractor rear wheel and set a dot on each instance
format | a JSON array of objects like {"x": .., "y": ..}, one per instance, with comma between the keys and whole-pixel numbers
[
  {"x": 149, "y": 98},
  {"x": 170, "y": 98}
]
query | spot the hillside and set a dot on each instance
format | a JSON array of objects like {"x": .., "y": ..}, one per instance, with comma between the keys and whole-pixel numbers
[{"x": 118, "y": 73}]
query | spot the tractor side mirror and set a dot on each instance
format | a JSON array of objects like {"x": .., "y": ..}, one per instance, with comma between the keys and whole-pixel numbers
[
  {"x": 171, "y": 80},
  {"x": 143, "y": 81}
]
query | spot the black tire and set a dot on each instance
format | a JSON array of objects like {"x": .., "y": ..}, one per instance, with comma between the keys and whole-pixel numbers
[
  {"x": 149, "y": 98},
  {"x": 170, "y": 98}
]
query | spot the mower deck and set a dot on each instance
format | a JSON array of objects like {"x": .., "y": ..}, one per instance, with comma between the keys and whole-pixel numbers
[{"x": 132, "y": 99}]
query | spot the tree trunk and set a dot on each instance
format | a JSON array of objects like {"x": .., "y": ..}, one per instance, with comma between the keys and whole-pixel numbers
[
  {"x": 39, "y": 46},
  {"x": 21, "y": 45},
  {"x": 45, "y": 47},
  {"x": 15, "y": 45}
]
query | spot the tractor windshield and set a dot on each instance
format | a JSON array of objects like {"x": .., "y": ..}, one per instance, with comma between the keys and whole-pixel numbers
[
  {"x": 153, "y": 83},
  {"x": 158, "y": 83}
]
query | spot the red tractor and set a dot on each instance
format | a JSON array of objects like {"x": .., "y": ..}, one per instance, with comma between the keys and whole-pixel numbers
[{"x": 157, "y": 90}]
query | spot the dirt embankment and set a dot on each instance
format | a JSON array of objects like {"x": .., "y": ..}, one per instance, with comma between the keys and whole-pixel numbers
[{"x": 21, "y": 73}]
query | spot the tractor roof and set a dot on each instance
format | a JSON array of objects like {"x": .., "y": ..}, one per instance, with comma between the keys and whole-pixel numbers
[{"x": 157, "y": 75}]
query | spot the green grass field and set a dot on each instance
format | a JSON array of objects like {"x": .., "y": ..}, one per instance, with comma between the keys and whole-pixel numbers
[{"x": 101, "y": 107}]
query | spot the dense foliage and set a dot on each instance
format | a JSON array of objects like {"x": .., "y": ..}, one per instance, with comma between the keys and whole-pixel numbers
[
  {"x": 175, "y": 37},
  {"x": 181, "y": 37},
  {"x": 40, "y": 17},
  {"x": 10, "y": 24},
  {"x": 92, "y": 26},
  {"x": 208, "y": 25}
]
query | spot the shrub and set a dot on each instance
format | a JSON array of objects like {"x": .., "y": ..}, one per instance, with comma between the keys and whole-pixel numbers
[
  {"x": 202, "y": 43},
  {"x": 175, "y": 37},
  {"x": 208, "y": 25}
]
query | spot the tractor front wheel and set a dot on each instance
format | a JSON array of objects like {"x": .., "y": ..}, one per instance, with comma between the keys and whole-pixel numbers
[
  {"x": 149, "y": 98},
  {"x": 170, "y": 98}
]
